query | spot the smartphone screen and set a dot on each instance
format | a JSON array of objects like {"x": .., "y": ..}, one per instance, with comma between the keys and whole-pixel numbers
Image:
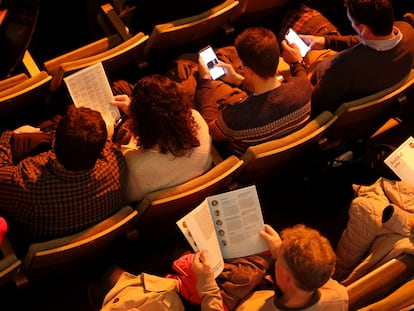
[
  {"x": 210, "y": 59},
  {"x": 293, "y": 37}
]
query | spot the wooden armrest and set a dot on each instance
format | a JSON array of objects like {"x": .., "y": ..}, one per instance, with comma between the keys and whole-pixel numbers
[
  {"x": 380, "y": 281},
  {"x": 39, "y": 79},
  {"x": 12, "y": 81},
  {"x": 116, "y": 21},
  {"x": 96, "y": 47}
]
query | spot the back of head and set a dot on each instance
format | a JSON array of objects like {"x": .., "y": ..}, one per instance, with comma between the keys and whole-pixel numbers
[
  {"x": 308, "y": 255},
  {"x": 258, "y": 49},
  {"x": 161, "y": 115},
  {"x": 376, "y": 14},
  {"x": 80, "y": 138}
]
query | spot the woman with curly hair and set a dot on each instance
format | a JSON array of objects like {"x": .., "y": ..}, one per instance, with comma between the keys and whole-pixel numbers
[{"x": 170, "y": 142}]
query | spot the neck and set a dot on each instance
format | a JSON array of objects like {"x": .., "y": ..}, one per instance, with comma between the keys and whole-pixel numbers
[
  {"x": 261, "y": 86},
  {"x": 296, "y": 298},
  {"x": 370, "y": 36}
]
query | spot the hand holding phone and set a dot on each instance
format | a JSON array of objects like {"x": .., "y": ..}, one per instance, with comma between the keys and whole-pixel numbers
[
  {"x": 293, "y": 37},
  {"x": 210, "y": 59}
]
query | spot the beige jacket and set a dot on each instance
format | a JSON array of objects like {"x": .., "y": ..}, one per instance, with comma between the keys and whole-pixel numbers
[{"x": 367, "y": 242}]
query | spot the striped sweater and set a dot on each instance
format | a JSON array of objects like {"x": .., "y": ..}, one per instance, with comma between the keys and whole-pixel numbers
[{"x": 258, "y": 118}]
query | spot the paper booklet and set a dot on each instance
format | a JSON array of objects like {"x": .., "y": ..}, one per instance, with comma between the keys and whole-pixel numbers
[
  {"x": 89, "y": 87},
  {"x": 227, "y": 225},
  {"x": 401, "y": 161}
]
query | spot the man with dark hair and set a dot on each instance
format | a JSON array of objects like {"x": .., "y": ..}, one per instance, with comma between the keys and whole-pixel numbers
[
  {"x": 273, "y": 109},
  {"x": 80, "y": 138},
  {"x": 350, "y": 67},
  {"x": 67, "y": 189}
]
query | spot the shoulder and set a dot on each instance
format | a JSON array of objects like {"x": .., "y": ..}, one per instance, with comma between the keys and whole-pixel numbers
[
  {"x": 197, "y": 116},
  {"x": 112, "y": 153},
  {"x": 299, "y": 81},
  {"x": 203, "y": 129},
  {"x": 333, "y": 291},
  {"x": 296, "y": 86}
]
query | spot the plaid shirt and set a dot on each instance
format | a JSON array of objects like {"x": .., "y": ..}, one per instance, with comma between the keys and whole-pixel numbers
[{"x": 46, "y": 201}]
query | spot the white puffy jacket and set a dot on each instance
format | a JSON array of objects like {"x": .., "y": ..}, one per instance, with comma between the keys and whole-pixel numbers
[{"x": 367, "y": 242}]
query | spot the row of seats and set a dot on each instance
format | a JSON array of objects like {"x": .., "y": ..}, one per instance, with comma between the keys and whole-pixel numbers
[
  {"x": 258, "y": 165},
  {"x": 117, "y": 51},
  {"x": 361, "y": 118}
]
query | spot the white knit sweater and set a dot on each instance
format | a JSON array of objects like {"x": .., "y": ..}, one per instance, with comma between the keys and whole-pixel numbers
[{"x": 150, "y": 170}]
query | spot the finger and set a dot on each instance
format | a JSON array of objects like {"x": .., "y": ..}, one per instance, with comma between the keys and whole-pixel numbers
[
  {"x": 284, "y": 44},
  {"x": 200, "y": 60},
  {"x": 270, "y": 230},
  {"x": 266, "y": 236},
  {"x": 119, "y": 97},
  {"x": 196, "y": 257},
  {"x": 204, "y": 258}
]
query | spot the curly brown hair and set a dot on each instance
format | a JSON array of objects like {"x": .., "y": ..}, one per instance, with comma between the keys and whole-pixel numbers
[
  {"x": 308, "y": 255},
  {"x": 161, "y": 114}
]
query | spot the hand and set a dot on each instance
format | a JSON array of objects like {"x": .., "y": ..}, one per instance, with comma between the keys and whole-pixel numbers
[
  {"x": 273, "y": 240},
  {"x": 314, "y": 42},
  {"x": 201, "y": 264},
  {"x": 110, "y": 128},
  {"x": 290, "y": 52},
  {"x": 231, "y": 76},
  {"x": 203, "y": 71},
  {"x": 27, "y": 129},
  {"x": 122, "y": 102}
]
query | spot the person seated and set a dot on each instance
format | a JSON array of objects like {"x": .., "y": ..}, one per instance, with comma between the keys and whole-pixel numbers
[
  {"x": 76, "y": 184},
  {"x": 305, "y": 262},
  {"x": 345, "y": 68},
  {"x": 380, "y": 227},
  {"x": 170, "y": 142},
  {"x": 272, "y": 108}
]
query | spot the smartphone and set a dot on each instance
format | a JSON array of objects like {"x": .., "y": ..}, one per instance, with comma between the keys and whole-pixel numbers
[
  {"x": 210, "y": 59},
  {"x": 293, "y": 37}
]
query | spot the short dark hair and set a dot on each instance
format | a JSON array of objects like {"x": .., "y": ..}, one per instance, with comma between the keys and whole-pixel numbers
[
  {"x": 308, "y": 255},
  {"x": 80, "y": 138},
  {"x": 258, "y": 49},
  {"x": 377, "y": 14}
]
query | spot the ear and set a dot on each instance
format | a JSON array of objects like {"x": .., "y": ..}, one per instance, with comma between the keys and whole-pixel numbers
[{"x": 363, "y": 30}]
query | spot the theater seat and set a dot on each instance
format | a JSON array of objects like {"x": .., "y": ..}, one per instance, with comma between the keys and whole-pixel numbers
[
  {"x": 9, "y": 264},
  {"x": 23, "y": 99},
  {"x": 361, "y": 118},
  {"x": 161, "y": 209},
  {"x": 74, "y": 252},
  {"x": 269, "y": 160},
  {"x": 115, "y": 58},
  {"x": 380, "y": 282}
]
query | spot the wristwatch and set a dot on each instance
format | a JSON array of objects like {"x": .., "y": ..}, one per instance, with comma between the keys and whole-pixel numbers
[{"x": 292, "y": 65}]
